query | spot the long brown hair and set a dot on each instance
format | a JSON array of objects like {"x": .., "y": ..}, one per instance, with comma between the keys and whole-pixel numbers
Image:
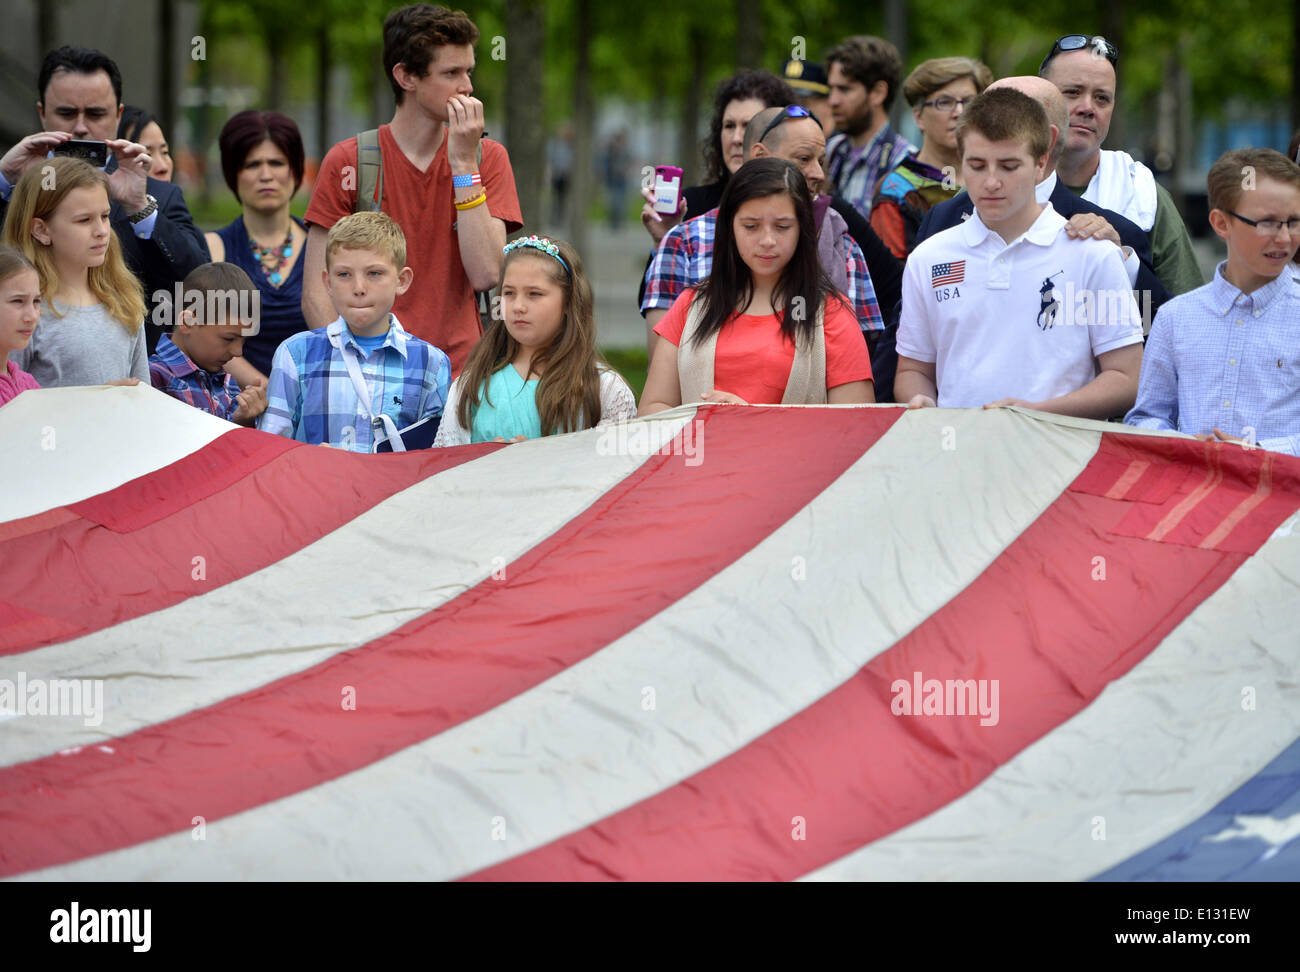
[
  {"x": 111, "y": 282},
  {"x": 568, "y": 395}
]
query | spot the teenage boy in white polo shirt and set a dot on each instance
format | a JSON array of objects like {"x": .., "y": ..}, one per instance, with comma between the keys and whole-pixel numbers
[{"x": 1006, "y": 309}]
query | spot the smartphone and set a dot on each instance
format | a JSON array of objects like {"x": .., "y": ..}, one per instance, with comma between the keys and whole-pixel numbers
[
  {"x": 96, "y": 153},
  {"x": 668, "y": 189}
]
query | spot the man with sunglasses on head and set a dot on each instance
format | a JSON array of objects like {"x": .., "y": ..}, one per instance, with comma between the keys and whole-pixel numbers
[
  {"x": 685, "y": 257},
  {"x": 1083, "y": 66}
]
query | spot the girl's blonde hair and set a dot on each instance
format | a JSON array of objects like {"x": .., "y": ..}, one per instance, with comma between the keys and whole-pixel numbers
[
  {"x": 568, "y": 395},
  {"x": 112, "y": 283}
]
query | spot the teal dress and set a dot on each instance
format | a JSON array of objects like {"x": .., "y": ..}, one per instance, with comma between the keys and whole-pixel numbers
[{"x": 508, "y": 409}]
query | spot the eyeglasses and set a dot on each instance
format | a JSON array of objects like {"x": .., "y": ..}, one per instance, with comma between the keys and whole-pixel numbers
[
  {"x": 1269, "y": 227},
  {"x": 946, "y": 103},
  {"x": 1077, "y": 42},
  {"x": 789, "y": 111}
]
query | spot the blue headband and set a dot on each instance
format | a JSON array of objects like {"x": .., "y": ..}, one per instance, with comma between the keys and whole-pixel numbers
[{"x": 539, "y": 243}]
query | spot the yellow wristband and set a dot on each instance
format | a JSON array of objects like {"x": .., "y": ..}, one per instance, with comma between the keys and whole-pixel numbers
[{"x": 478, "y": 199}]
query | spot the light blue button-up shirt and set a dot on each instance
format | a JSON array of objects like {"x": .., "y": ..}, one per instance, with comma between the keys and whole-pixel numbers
[{"x": 1220, "y": 358}]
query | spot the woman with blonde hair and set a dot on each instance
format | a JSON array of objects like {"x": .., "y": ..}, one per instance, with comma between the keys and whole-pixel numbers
[
  {"x": 937, "y": 91},
  {"x": 91, "y": 328}
]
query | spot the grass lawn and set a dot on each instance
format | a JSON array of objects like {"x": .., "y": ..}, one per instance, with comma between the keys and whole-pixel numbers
[{"x": 631, "y": 363}]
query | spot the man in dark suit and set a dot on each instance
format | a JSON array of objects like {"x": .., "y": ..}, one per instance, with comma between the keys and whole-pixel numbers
[
  {"x": 1085, "y": 220},
  {"x": 80, "y": 93}
]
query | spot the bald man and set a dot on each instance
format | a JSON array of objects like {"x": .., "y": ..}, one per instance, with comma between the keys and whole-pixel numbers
[
  {"x": 1085, "y": 219},
  {"x": 1083, "y": 69}
]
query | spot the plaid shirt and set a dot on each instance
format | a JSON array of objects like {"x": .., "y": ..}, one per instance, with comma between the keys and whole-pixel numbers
[
  {"x": 1218, "y": 358},
  {"x": 311, "y": 398},
  {"x": 854, "y": 173},
  {"x": 171, "y": 371},
  {"x": 685, "y": 258}
]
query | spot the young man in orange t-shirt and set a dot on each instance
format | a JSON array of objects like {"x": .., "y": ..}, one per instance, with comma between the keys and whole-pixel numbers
[{"x": 454, "y": 210}]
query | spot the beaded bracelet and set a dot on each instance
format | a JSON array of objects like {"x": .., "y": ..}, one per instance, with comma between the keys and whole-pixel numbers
[{"x": 478, "y": 199}]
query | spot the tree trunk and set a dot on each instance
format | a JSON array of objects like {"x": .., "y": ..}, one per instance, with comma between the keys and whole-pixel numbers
[
  {"x": 1112, "y": 27},
  {"x": 525, "y": 134},
  {"x": 896, "y": 33},
  {"x": 47, "y": 26},
  {"x": 689, "y": 133},
  {"x": 165, "y": 99},
  {"x": 749, "y": 34},
  {"x": 323, "y": 65},
  {"x": 203, "y": 135},
  {"x": 580, "y": 188},
  {"x": 275, "y": 54},
  {"x": 1295, "y": 64}
]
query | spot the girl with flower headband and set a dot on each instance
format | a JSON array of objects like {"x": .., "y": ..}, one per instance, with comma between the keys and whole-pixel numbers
[{"x": 536, "y": 370}]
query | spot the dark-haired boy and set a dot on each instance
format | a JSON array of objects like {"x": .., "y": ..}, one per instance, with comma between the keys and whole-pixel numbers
[
  {"x": 454, "y": 209},
  {"x": 210, "y": 328},
  {"x": 1223, "y": 360},
  {"x": 1006, "y": 309}
]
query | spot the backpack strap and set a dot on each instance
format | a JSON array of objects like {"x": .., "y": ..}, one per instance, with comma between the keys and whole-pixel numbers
[{"x": 370, "y": 169}]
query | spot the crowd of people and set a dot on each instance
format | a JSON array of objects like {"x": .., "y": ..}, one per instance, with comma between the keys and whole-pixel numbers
[{"x": 1007, "y": 260}]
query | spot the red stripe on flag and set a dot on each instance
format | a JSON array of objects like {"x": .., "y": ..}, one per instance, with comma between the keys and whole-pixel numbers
[
  {"x": 847, "y": 771},
  {"x": 242, "y": 502},
  {"x": 1232, "y": 499},
  {"x": 646, "y": 543}
]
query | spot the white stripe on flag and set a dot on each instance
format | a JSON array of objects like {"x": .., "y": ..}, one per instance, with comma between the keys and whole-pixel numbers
[
  {"x": 398, "y": 560},
  {"x": 1157, "y": 749},
  {"x": 896, "y": 537},
  {"x": 55, "y": 453}
]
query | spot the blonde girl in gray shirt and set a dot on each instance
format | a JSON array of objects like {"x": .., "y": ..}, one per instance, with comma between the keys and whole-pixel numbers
[{"x": 91, "y": 330}]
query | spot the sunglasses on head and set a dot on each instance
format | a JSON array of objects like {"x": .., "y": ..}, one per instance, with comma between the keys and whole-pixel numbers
[
  {"x": 789, "y": 111},
  {"x": 1078, "y": 42}
]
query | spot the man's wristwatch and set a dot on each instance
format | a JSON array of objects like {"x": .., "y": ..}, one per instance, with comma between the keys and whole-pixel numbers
[{"x": 151, "y": 206}]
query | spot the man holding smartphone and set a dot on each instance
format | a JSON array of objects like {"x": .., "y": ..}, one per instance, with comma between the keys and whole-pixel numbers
[{"x": 80, "y": 92}]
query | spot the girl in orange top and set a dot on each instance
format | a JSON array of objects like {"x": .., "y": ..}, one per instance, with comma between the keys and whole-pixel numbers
[{"x": 767, "y": 326}]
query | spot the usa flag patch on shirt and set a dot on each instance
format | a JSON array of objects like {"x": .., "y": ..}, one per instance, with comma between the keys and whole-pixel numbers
[{"x": 946, "y": 274}]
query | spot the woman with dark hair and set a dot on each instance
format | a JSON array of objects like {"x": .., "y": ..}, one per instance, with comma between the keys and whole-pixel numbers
[
  {"x": 137, "y": 125},
  {"x": 736, "y": 101},
  {"x": 262, "y": 160},
  {"x": 767, "y": 325}
]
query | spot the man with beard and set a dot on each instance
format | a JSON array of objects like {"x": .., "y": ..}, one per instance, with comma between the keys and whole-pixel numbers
[{"x": 864, "y": 76}]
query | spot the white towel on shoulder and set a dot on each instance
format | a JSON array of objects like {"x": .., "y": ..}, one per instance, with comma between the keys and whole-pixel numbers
[{"x": 1126, "y": 186}]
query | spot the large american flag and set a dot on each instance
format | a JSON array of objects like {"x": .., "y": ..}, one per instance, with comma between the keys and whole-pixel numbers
[{"x": 673, "y": 651}]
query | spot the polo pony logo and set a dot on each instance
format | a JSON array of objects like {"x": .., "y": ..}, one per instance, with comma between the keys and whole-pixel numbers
[{"x": 1048, "y": 305}]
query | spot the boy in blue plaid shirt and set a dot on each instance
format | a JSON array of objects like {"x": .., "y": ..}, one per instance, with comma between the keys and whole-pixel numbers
[
  {"x": 217, "y": 307},
  {"x": 313, "y": 391}
]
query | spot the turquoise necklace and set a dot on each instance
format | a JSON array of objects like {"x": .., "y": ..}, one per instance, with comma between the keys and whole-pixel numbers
[{"x": 272, "y": 258}]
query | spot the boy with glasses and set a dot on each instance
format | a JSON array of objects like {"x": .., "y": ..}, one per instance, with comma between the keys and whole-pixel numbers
[
  {"x": 1083, "y": 67},
  {"x": 1223, "y": 362}
]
